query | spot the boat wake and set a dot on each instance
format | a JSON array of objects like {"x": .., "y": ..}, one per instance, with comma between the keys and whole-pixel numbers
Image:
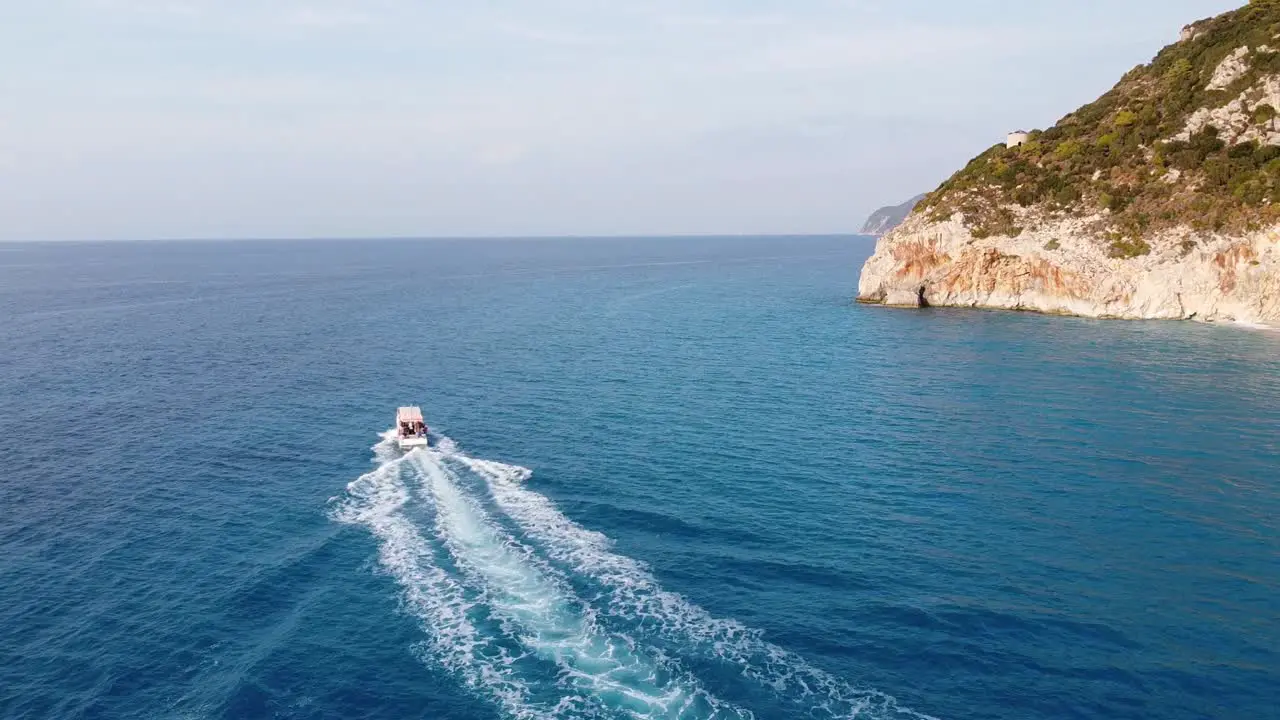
[{"x": 537, "y": 615}]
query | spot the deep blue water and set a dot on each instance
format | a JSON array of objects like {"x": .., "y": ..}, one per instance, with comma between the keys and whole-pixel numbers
[{"x": 744, "y": 494}]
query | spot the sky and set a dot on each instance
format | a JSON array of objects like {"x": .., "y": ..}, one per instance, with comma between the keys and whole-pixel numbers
[{"x": 166, "y": 119}]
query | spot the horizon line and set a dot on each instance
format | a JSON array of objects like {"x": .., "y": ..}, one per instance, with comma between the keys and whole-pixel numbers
[{"x": 436, "y": 238}]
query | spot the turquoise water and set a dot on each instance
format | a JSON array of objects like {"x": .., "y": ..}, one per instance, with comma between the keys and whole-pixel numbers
[{"x": 674, "y": 478}]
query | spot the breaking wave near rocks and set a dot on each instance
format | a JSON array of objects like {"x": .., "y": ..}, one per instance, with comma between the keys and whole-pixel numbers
[{"x": 538, "y": 616}]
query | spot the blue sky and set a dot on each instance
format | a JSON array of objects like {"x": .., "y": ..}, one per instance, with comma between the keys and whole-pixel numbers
[{"x": 346, "y": 118}]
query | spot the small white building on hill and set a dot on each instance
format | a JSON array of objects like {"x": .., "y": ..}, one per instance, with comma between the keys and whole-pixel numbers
[{"x": 1017, "y": 138}]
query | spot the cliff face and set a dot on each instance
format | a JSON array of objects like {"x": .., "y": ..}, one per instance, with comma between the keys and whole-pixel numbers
[
  {"x": 1160, "y": 200},
  {"x": 1059, "y": 268}
]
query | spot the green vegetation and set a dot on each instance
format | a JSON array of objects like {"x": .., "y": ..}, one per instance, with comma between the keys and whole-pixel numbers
[
  {"x": 1127, "y": 247},
  {"x": 1118, "y": 154}
]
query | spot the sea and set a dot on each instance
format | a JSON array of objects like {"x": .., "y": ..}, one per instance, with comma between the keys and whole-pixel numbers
[{"x": 669, "y": 478}]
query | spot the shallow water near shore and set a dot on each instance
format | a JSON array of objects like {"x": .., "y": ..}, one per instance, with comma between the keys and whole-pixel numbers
[{"x": 673, "y": 478}]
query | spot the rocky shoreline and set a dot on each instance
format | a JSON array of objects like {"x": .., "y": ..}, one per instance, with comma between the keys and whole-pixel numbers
[{"x": 1058, "y": 267}]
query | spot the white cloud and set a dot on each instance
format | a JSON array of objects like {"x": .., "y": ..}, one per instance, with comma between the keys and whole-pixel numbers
[
  {"x": 553, "y": 36},
  {"x": 179, "y": 8},
  {"x": 707, "y": 21},
  {"x": 501, "y": 153},
  {"x": 331, "y": 17}
]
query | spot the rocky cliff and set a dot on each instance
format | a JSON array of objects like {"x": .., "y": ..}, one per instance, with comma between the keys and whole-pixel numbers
[{"x": 1159, "y": 200}]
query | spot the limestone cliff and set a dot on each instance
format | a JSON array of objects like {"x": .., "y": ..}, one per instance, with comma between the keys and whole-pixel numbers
[
  {"x": 1159, "y": 200},
  {"x": 1060, "y": 268}
]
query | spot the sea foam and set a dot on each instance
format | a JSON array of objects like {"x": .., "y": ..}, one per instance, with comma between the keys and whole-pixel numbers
[
  {"x": 541, "y": 610},
  {"x": 633, "y": 591},
  {"x": 495, "y": 596},
  {"x": 376, "y": 501}
]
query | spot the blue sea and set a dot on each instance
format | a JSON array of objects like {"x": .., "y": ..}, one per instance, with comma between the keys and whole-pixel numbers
[{"x": 671, "y": 478}]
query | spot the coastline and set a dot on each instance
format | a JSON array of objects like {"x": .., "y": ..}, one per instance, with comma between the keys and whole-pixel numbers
[{"x": 1058, "y": 267}]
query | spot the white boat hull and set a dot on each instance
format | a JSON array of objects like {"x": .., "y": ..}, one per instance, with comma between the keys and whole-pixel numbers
[{"x": 412, "y": 443}]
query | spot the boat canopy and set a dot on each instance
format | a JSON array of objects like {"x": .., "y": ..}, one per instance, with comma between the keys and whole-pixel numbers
[{"x": 409, "y": 415}]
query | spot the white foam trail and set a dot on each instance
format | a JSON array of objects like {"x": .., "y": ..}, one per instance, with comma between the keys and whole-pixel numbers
[
  {"x": 542, "y": 611},
  {"x": 376, "y": 500},
  {"x": 632, "y": 591}
]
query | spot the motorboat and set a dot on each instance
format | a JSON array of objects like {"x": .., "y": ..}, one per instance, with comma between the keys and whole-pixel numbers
[{"x": 411, "y": 429}]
